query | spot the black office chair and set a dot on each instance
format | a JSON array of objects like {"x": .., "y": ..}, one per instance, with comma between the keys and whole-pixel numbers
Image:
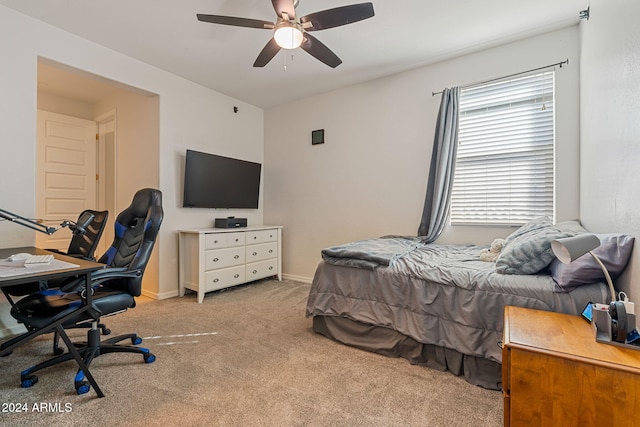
[
  {"x": 84, "y": 241},
  {"x": 114, "y": 289},
  {"x": 86, "y": 237}
]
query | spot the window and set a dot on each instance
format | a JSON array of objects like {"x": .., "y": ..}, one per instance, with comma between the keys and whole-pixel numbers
[{"x": 504, "y": 167}]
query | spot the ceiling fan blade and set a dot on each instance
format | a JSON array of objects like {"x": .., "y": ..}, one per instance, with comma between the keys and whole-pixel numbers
[
  {"x": 267, "y": 53},
  {"x": 338, "y": 16},
  {"x": 319, "y": 51},
  {"x": 284, "y": 6},
  {"x": 236, "y": 22}
]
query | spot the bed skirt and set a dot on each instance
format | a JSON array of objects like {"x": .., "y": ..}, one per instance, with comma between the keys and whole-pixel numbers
[{"x": 475, "y": 370}]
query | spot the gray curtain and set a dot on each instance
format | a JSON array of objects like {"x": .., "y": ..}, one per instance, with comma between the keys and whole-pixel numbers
[{"x": 443, "y": 162}]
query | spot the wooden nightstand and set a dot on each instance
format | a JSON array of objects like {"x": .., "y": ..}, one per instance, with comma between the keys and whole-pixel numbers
[{"x": 554, "y": 373}]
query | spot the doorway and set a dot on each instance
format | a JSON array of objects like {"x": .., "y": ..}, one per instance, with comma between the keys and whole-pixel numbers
[
  {"x": 81, "y": 96},
  {"x": 71, "y": 92}
]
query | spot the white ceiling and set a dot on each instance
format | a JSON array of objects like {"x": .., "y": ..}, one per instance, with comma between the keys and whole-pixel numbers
[{"x": 403, "y": 34}]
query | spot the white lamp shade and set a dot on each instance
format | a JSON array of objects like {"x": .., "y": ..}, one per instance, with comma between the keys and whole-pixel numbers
[
  {"x": 570, "y": 248},
  {"x": 288, "y": 37}
]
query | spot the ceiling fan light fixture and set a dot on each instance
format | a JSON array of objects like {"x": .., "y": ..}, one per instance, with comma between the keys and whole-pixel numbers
[{"x": 288, "y": 35}]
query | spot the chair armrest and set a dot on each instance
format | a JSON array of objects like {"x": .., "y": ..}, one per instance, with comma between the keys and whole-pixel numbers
[
  {"x": 105, "y": 274},
  {"x": 100, "y": 276}
]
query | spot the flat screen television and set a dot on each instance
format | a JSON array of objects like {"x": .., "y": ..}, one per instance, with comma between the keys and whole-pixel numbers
[{"x": 212, "y": 181}]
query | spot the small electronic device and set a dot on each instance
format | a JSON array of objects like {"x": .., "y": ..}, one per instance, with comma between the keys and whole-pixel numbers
[
  {"x": 633, "y": 337},
  {"x": 83, "y": 222},
  {"x": 230, "y": 222},
  {"x": 587, "y": 313},
  {"x": 619, "y": 321},
  {"x": 35, "y": 260},
  {"x": 19, "y": 257}
]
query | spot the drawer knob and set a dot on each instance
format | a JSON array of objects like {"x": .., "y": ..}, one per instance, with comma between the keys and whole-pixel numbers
[
  {"x": 255, "y": 237},
  {"x": 216, "y": 280},
  {"x": 254, "y": 271},
  {"x": 270, "y": 267},
  {"x": 270, "y": 251},
  {"x": 255, "y": 253},
  {"x": 236, "y": 257},
  {"x": 235, "y": 276},
  {"x": 215, "y": 241},
  {"x": 216, "y": 260}
]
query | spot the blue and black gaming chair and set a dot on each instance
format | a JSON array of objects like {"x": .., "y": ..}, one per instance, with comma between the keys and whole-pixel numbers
[{"x": 114, "y": 289}]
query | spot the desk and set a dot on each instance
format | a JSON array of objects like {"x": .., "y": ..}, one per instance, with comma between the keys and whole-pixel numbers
[{"x": 85, "y": 268}]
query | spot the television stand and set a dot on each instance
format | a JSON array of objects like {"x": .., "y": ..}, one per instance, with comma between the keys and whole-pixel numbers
[{"x": 217, "y": 258}]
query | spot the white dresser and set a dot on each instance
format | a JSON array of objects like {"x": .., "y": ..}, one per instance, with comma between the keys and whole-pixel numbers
[{"x": 217, "y": 258}]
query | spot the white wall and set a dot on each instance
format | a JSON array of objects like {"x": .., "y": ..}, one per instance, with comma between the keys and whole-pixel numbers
[
  {"x": 62, "y": 105},
  {"x": 137, "y": 143},
  {"x": 610, "y": 125},
  {"x": 191, "y": 116},
  {"x": 369, "y": 178}
]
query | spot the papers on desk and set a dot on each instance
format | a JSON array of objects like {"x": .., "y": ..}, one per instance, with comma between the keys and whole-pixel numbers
[{"x": 17, "y": 268}]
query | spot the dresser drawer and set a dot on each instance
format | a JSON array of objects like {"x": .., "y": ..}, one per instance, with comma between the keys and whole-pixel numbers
[
  {"x": 221, "y": 258},
  {"x": 258, "y": 270},
  {"x": 223, "y": 240},
  {"x": 262, "y": 236},
  {"x": 236, "y": 239},
  {"x": 223, "y": 278},
  {"x": 261, "y": 252}
]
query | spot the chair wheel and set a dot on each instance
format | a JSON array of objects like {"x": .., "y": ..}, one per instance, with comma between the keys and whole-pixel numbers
[
  {"x": 149, "y": 358},
  {"x": 82, "y": 387},
  {"x": 57, "y": 351},
  {"x": 28, "y": 381},
  {"x": 106, "y": 331},
  {"x": 136, "y": 340}
]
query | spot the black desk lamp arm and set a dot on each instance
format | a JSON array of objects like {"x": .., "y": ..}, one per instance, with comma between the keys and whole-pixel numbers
[{"x": 29, "y": 223}]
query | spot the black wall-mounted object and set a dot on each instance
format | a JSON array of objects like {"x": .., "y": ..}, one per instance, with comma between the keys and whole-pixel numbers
[
  {"x": 212, "y": 181},
  {"x": 317, "y": 137}
]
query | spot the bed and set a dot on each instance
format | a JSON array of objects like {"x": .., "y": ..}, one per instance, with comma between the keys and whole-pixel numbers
[{"x": 440, "y": 306}]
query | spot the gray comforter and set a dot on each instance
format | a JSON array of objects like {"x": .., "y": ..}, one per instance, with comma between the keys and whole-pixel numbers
[
  {"x": 371, "y": 253},
  {"x": 439, "y": 294}
]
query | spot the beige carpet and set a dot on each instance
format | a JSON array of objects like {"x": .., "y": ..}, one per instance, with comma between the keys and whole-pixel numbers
[{"x": 245, "y": 357}]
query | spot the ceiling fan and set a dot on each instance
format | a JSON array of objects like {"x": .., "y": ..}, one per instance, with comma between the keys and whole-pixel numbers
[{"x": 290, "y": 32}]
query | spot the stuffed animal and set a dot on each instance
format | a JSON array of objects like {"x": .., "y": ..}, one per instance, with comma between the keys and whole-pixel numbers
[{"x": 491, "y": 254}]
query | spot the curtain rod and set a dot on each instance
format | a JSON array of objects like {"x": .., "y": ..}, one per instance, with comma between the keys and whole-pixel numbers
[{"x": 566, "y": 61}]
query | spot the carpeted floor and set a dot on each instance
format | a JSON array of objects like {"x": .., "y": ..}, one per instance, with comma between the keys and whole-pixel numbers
[{"x": 244, "y": 357}]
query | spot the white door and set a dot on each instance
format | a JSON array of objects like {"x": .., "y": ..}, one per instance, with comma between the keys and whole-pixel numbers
[{"x": 66, "y": 173}]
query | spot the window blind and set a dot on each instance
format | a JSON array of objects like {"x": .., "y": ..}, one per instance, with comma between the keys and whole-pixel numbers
[{"x": 504, "y": 167}]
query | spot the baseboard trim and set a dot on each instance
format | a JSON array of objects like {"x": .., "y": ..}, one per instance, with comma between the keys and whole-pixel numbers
[
  {"x": 159, "y": 296},
  {"x": 295, "y": 278}
]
